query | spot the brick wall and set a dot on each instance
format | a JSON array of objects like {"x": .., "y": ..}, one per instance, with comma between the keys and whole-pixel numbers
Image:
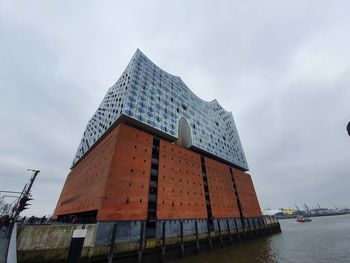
[
  {"x": 247, "y": 196},
  {"x": 221, "y": 192},
  {"x": 180, "y": 184}
]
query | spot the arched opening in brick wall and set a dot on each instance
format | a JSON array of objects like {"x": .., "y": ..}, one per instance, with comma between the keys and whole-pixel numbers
[{"x": 184, "y": 134}]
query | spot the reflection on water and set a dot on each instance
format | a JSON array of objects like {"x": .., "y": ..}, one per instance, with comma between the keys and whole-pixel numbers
[
  {"x": 259, "y": 250},
  {"x": 325, "y": 239}
]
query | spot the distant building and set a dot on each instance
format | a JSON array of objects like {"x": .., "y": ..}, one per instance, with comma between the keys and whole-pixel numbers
[
  {"x": 272, "y": 212},
  {"x": 154, "y": 151}
]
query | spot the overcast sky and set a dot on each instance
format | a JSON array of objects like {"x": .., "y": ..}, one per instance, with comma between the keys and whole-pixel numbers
[{"x": 281, "y": 67}]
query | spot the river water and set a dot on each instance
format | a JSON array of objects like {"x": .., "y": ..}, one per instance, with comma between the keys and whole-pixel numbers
[{"x": 325, "y": 239}]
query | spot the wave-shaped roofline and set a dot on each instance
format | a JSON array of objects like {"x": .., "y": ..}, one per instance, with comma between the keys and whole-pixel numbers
[{"x": 139, "y": 52}]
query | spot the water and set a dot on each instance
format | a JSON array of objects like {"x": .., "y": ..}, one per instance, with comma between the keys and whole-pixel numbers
[{"x": 325, "y": 239}]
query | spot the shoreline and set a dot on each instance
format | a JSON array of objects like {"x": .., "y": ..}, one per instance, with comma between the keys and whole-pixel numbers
[{"x": 317, "y": 215}]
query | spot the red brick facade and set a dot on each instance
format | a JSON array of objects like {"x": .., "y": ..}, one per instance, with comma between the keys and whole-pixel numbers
[
  {"x": 180, "y": 184},
  {"x": 222, "y": 197},
  {"x": 246, "y": 192},
  {"x": 114, "y": 180}
]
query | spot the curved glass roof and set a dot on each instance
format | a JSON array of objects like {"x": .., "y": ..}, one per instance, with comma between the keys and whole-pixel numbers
[{"x": 149, "y": 95}]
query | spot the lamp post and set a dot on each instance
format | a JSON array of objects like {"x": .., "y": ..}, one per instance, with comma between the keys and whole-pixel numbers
[{"x": 23, "y": 199}]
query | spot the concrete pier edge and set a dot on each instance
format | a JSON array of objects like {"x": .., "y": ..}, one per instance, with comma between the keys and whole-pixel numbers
[{"x": 50, "y": 243}]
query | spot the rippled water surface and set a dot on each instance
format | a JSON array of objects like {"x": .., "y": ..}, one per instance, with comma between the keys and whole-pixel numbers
[{"x": 325, "y": 239}]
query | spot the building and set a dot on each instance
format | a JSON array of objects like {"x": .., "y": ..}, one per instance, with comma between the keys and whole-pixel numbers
[{"x": 154, "y": 152}]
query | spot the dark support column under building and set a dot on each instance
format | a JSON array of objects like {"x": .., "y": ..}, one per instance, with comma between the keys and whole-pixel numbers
[
  {"x": 237, "y": 197},
  {"x": 207, "y": 200},
  {"x": 153, "y": 188}
]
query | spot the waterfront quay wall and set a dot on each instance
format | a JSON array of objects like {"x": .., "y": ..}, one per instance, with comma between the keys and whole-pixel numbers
[{"x": 174, "y": 238}]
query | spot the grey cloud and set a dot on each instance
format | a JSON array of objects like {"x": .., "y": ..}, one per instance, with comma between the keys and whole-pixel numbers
[{"x": 281, "y": 68}]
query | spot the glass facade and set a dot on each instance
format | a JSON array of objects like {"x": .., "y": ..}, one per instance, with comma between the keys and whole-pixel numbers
[{"x": 158, "y": 99}]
